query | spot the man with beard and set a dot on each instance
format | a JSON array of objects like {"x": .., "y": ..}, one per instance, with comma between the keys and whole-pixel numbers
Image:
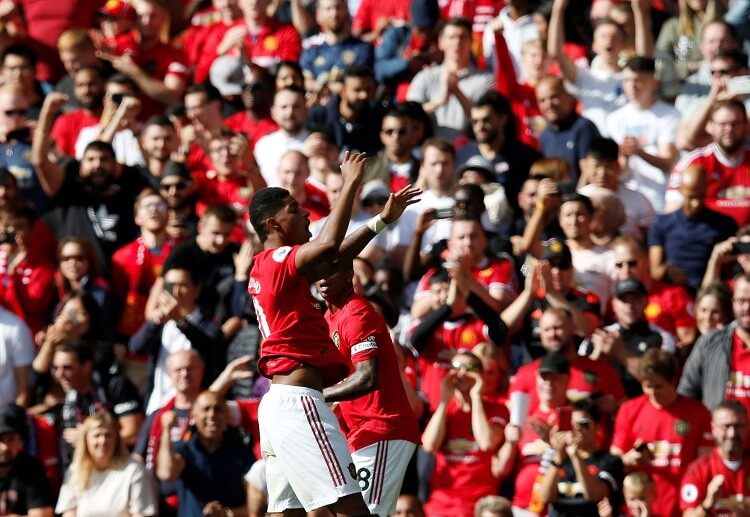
[
  {"x": 159, "y": 142},
  {"x": 680, "y": 242},
  {"x": 257, "y": 94},
  {"x": 289, "y": 112},
  {"x": 325, "y": 61},
  {"x": 717, "y": 368},
  {"x": 88, "y": 89},
  {"x": 496, "y": 140},
  {"x": 567, "y": 134},
  {"x": 349, "y": 116},
  {"x": 89, "y": 205},
  {"x": 713, "y": 482},
  {"x": 211, "y": 466},
  {"x": 24, "y": 487},
  {"x": 727, "y": 159},
  {"x": 175, "y": 186}
]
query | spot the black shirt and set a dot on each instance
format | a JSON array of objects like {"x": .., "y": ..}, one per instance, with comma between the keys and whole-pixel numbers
[
  {"x": 570, "y": 500},
  {"x": 25, "y": 487}
]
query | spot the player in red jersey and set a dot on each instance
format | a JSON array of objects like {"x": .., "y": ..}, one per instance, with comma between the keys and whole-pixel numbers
[
  {"x": 661, "y": 431},
  {"x": 383, "y": 432},
  {"x": 306, "y": 455},
  {"x": 715, "y": 483}
]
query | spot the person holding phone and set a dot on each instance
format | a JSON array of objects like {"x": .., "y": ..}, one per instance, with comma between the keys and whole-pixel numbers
[{"x": 580, "y": 474}]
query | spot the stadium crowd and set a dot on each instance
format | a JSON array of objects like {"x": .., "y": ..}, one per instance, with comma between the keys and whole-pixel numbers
[{"x": 568, "y": 301}]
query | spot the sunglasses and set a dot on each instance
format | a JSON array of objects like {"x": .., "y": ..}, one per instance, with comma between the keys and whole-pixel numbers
[
  {"x": 17, "y": 113},
  {"x": 391, "y": 131},
  {"x": 177, "y": 186},
  {"x": 77, "y": 258},
  {"x": 467, "y": 367},
  {"x": 629, "y": 263},
  {"x": 723, "y": 71},
  {"x": 374, "y": 200},
  {"x": 253, "y": 87}
]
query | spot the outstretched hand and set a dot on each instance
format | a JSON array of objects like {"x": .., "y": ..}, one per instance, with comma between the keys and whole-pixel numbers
[
  {"x": 353, "y": 167},
  {"x": 397, "y": 203}
]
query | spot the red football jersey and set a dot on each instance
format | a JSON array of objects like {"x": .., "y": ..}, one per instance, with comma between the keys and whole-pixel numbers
[
  {"x": 290, "y": 320},
  {"x": 529, "y": 475},
  {"x": 28, "y": 289},
  {"x": 728, "y": 181},
  {"x": 240, "y": 122},
  {"x": 435, "y": 359},
  {"x": 158, "y": 62},
  {"x": 360, "y": 333},
  {"x": 68, "y": 126},
  {"x": 699, "y": 473},
  {"x": 673, "y": 435},
  {"x": 463, "y": 472},
  {"x": 738, "y": 384},
  {"x": 492, "y": 273}
]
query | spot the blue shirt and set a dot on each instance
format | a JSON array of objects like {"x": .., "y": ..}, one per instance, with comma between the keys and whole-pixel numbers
[
  {"x": 570, "y": 142},
  {"x": 15, "y": 156},
  {"x": 327, "y": 62},
  {"x": 687, "y": 242},
  {"x": 212, "y": 476}
]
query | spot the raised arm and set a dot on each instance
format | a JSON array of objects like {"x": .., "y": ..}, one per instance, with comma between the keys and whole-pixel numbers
[
  {"x": 167, "y": 91},
  {"x": 556, "y": 41},
  {"x": 169, "y": 465},
  {"x": 644, "y": 38},
  {"x": 51, "y": 175}
]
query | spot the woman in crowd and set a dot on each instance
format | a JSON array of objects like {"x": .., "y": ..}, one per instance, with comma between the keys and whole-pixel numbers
[
  {"x": 713, "y": 307},
  {"x": 103, "y": 479}
]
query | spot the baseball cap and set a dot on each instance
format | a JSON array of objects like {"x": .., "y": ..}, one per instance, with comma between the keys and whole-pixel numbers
[
  {"x": 480, "y": 164},
  {"x": 227, "y": 75},
  {"x": 630, "y": 285},
  {"x": 175, "y": 169},
  {"x": 117, "y": 9},
  {"x": 557, "y": 249},
  {"x": 424, "y": 13},
  {"x": 12, "y": 419},
  {"x": 554, "y": 363},
  {"x": 375, "y": 188}
]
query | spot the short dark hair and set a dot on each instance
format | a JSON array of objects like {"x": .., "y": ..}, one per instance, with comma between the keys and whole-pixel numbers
[
  {"x": 457, "y": 21},
  {"x": 731, "y": 103},
  {"x": 159, "y": 120},
  {"x": 208, "y": 89},
  {"x": 291, "y": 88},
  {"x": 575, "y": 197},
  {"x": 603, "y": 149},
  {"x": 495, "y": 100},
  {"x": 359, "y": 71},
  {"x": 441, "y": 276},
  {"x": 98, "y": 145},
  {"x": 21, "y": 209},
  {"x": 441, "y": 144},
  {"x": 735, "y": 406},
  {"x": 81, "y": 350},
  {"x": 124, "y": 80},
  {"x": 659, "y": 362},
  {"x": 220, "y": 211},
  {"x": 641, "y": 64},
  {"x": 18, "y": 49},
  {"x": 266, "y": 203},
  {"x": 736, "y": 55},
  {"x": 589, "y": 407},
  {"x": 181, "y": 266}
]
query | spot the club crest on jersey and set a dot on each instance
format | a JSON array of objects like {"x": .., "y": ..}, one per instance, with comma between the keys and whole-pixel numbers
[
  {"x": 281, "y": 253},
  {"x": 590, "y": 377},
  {"x": 336, "y": 338},
  {"x": 253, "y": 286},
  {"x": 682, "y": 427}
]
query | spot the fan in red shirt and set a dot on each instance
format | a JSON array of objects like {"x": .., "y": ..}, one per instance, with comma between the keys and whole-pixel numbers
[
  {"x": 661, "y": 432},
  {"x": 715, "y": 483},
  {"x": 526, "y": 438},
  {"x": 88, "y": 88},
  {"x": 298, "y": 431},
  {"x": 464, "y": 433},
  {"x": 383, "y": 432},
  {"x": 199, "y": 41},
  {"x": 27, "y": 286}
]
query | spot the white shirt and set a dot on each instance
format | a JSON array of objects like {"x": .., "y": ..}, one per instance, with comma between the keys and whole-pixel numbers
[
  {"x": 125, "y": 144},
  {"x": 600, "y": 94},
  {"x": 653, "y": 127},
  {"x": 270, "y": 149},
  {"x": 516, "y": 34},
  {"x": 595, "y": 271},
  {"x": 16, "y": 351},
  {"x": 638, "y": 210}
]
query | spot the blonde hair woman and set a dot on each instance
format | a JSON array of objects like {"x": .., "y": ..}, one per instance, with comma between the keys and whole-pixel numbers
[{"x": 103, "y": 480}]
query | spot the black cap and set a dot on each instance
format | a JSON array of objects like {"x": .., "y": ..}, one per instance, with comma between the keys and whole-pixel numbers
[
  {"x": 557, "y": 249},
  {"x": 424, "y": 13},
  {"x": 175, "y": 169},
  {"x": 12, "y": 419},
  {"x": 480, "y": 164},
  {"x": 630, "y": 285},
  {"x": 554, "y": 363}
]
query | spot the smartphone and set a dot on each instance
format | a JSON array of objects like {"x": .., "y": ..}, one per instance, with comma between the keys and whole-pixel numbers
[
  {"x": 739, "y": 85},
  {"x": 442, "y": 213},
  {"x": 117, "y": 97},
  {"x": 642, "y": 447},
  {"x": 564, "y": 418},
  {"x": 169, "y": 287},
  {"x": 22, "y": 134},
  {"x": 740, "y": 248}
]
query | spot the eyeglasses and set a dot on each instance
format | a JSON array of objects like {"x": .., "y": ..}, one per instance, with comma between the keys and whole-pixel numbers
[
  {"x": 583, "y": 423},
  {"x": 467, "y": 367},
  {"x": 629, "y": 263},
  {"x": 399, "y": 131},
  {"x": 723, "y": 71},
  {"x": 374, "y": 200},
  {"x": 16, "y": 113},
  {"x": 253, "y": 87},
  {"x": 177, "y": 186},
  {"x": 77, "y": 258},
  {"x": 560, "y": 265}
]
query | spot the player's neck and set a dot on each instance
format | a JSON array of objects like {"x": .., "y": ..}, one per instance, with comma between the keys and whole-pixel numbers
[{"x": 335, "y": 303}]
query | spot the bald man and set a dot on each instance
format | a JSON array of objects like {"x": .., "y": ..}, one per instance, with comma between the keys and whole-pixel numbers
[
  {"x": 568, "y": 134},
  {"x": 680, "y": 242},
  {"x": 294, "y": 176}
]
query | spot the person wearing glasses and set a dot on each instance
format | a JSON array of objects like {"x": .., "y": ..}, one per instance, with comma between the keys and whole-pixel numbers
[
  {"x": 176, "y": 187},
  {"x": 580, "y": 474},
  {"x": 395, "y": 164},
  {"x": 464, "y": 434}
]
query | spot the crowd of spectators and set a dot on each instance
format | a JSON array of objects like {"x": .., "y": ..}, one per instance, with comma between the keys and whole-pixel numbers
[{"x": 569, "y": 300}]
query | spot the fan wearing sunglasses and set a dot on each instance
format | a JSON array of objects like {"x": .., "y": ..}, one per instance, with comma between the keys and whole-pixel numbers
[{"x": 580, "y": 474}]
